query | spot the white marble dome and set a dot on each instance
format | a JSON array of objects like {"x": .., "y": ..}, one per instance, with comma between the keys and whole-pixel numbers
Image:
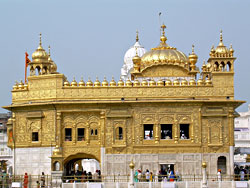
[{"x": 128, "y": 62}]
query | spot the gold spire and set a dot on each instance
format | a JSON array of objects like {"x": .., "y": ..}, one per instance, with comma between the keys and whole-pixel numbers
[
  {"x": 163, "y": 37},
  {"x": 40, "y": 40},
  {"x": 221, "y": 39},
  {"x": 192, "y": 49},
  {"x": 137, "y": 36},
  {"x": 49, "y": 50}
]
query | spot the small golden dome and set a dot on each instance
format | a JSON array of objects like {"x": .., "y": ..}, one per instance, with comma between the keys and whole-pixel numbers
[
  {"x": 129, "y": 83},
  {"x": 193, "y": 57},
  {"x": 137, "y": 83},
  {"x": 105, "y": 82},
  {"x": 15, "y": 87},
  {"x": 204, "y": 67},
  {"x": 160, "y": 83},
  {"x": 204, "y": 165},
  {"x": 89, "y": 83},
  {"x": 97, "y": 83},
  {"x": 200, "y": 82},
  {"x": 53, "y": 66},
  {"x": 231, "y": 50},
  {"x": 221, "y": 49},
  {"x": 40, "y": 55},
  {"x": 73, "y": 83},
  {"x": 21, "y": 85},
  {"x": 136, "y": 59},
  {"x": 176, "y": 82},
  {"x": 120, "y": 83},
  {"x": 144, "y": 83},
  {"x": 184, "y": 82},
  {"x": 168, "y": 82},
  {"x": 131, "y": 165},
  {"x": 81, "y": 83},
  {"x": 112, "y": 82},
  {"x": 208, "y": 82},
  {"x": 66, "y": 83},
  {"x": 192, "y": 82},
  {"x": 25, "y": 86},
  {"x": 152, "y": 82}
]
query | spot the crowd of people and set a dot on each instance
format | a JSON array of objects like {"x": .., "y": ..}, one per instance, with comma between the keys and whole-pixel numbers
[
  {"x": 242, "y": 173},
  {"x": 162, "y": 175},
  {"x": 84, "y": 176}
]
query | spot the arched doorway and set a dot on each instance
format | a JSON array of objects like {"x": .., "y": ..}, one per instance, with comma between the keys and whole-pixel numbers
[
  {"x": 78, "y": 163},
  {"x": 222, "y": 164}
]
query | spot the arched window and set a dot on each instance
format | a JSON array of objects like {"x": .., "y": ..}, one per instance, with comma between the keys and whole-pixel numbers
[
  {"x": 119, "y": 133},
  {"x": 222, "y": 164},
  {"x": 223, "y": 67},
  {"x": 228, "y": 66},
  {"x": 38, "y": 69},
  {"x": 216, "y": 66},
  {"x": 56, "y": 166}
]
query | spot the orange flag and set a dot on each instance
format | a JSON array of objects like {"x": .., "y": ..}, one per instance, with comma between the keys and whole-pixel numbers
[{"x": 27, "y": 61}]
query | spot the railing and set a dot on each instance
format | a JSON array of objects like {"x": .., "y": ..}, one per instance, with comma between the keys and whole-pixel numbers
[
  {"x": 39, "y": 181},
  {"x": 32, "y": 180}
]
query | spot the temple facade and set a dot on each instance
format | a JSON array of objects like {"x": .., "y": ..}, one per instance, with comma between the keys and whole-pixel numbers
[{"x": 169, "y": 114}]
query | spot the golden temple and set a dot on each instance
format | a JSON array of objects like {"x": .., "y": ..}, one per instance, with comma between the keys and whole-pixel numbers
[{"x": 168, "y": 113}]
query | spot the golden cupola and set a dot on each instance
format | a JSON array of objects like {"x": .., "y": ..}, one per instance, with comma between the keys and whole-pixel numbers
[
  {"x": 41, "y": 61},
  {"x": 163, "y": 54},
  {"x": 53, "y": 66},
  {"x": 40, "y": 55},
  {"x": 221, "y": 50}
]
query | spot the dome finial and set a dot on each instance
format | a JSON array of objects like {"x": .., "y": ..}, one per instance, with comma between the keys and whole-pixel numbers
[
  {"x": 136, "y": 53},
  {"x": 163, "y": 27},
  {"x": 221, "y": 37},
  {"x": 192, "y": 48},
  {"x": 163, "y": 37},
  {"x": 137, "y": 36},
  {"x": 40, "y": 42},
  {"x": 49, "y": 50}
]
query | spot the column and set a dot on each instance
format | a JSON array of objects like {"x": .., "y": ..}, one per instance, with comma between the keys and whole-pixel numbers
[
  {"x": 157, "y": 125},
  {"x": 87, "y": 133},
  {"x": 102, "y": 133},
  {"x": 231, "y": 139},
  {"x": 176, "y": 130},
  {"x": 59, "y": 129}
]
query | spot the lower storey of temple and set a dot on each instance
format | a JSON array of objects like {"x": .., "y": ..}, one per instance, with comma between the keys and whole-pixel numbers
[{"x": 36, "y": 160}]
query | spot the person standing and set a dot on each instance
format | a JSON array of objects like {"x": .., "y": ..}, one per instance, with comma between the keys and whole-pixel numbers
[
  {"x": 42, "y": 180},
  {"x": 139, "y": 176},
  {"x": 25, "y": 180},
  {"x": 136, "y": 176},
  {"x": 147, "y": 175},
  {"x": 219, "y": 175}
]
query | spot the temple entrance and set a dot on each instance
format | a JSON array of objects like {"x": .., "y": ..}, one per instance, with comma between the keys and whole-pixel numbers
[
  {"x": 166, "y": 168},
  {"x": 79, "y": 164}
]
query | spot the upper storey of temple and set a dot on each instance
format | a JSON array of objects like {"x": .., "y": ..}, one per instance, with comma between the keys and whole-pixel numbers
[{"x": 163, "y": 73}]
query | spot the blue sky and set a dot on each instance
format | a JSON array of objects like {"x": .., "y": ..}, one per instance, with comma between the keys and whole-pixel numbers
[{"x": 90, "y": 38}]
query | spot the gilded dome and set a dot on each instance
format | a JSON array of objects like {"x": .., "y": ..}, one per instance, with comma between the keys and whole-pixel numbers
[
  {"x": 112, "y": 82},
  {"x": 163, "y": 54},
  {"x": 40, "y": 55},
  {"x": 53, "y": 65},
  {"x": 221, "y": 49},
  {"x": 105, "y": 82}
]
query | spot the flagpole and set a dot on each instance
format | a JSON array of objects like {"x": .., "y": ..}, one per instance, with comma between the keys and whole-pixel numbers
[{"x": 25, "y": 79}]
